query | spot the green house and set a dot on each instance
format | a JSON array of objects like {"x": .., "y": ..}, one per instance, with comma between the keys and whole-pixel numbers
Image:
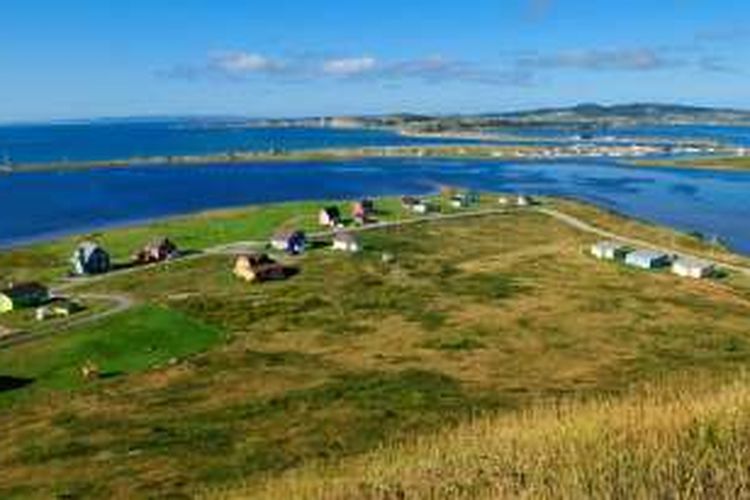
[{"x": 23, "y": 295}]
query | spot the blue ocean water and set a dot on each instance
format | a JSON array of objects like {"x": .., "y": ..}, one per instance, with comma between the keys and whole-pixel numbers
[
  {"x": 122, "y": 140},
  {"x": 43, "y": 204}
]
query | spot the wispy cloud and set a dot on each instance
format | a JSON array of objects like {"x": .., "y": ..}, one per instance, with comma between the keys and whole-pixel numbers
[
  {"x": 237, "y": 65},
  {"x": 354, "y": 66},
  {"x": 602, "y": 60}
]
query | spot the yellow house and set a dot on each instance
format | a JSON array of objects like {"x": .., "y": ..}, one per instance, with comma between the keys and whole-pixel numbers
[{"x": 6, "y": 304}]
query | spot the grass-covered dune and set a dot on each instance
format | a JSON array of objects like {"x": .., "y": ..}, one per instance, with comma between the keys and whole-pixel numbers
[
  {"x": 667, "y": 441},
  {"x": 212, "y": 383},
  {"x": 739, "y": 163}
]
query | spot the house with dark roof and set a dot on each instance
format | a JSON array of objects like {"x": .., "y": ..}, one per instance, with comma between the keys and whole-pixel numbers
[
  {"x": 23, "y": 295},
  {"x": 329, "y": 217},
  {"x": 293, "y": 242},
  {"x": 89, "y": 258},
  {"x": 158, "y": 250}
]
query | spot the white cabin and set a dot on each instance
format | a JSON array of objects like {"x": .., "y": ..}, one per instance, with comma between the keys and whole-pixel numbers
[{"x": 693, "y": 268}]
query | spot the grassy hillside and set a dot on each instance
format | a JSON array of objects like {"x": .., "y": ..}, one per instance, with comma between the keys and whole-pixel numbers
[
  {"x": 480, "y": 316},
  {"x": 665, "y": 442}
]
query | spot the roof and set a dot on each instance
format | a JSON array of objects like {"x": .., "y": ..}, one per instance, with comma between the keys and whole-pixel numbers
[
  {"x": 609, "y": 245},
  {"x": 88, "y": 248},
  {"x": 286, "y": 235},
  {"x": 690, "y": 263},
  {"x": 647, "y": 255},
  {"x": 22, "y": 289},
  {"x": 256, "y": 259},
  {"x": 331, "y": 211}
]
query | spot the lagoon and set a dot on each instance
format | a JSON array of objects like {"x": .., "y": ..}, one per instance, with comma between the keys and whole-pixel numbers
[{"x": 42, "y": 205}]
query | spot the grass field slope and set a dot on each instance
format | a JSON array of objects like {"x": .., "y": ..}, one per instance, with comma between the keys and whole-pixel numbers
[{"x": 461, "y": 339}]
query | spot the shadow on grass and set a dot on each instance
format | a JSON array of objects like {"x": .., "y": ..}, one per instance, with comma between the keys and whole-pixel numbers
[{"x": 8, "y": 384}]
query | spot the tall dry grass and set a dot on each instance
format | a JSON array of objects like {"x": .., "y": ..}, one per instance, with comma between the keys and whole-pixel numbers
[{"x": 675, "y": 441}]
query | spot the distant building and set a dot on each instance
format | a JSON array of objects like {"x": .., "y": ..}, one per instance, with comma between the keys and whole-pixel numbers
[
  {"x": 292, "y": 242},
  {"x": 609, "y": 250},
  {"x": 59, "y": 308},
  {"x": 329, "y": 217},
  {"x": 363, "y": 210},
  {"x": 23, "y": 295},
  {"x": 524, "y": 201},
  {"x": 90, "y": 258},
  {"x": 647, "y": 259},
  {"x": 258, "y": 268},
  {"x": 459, "y": 201},
  {"x": 159, "y": 250},
  {"x": 421, "y": 207},
  {"x": 346, "y": 242},
  {"x": 693, "y": 268},
  {"x": 408, "y": 202}
]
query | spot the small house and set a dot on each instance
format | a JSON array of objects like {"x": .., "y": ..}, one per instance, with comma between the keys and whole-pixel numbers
[
  {"x": 421, "y": 207},
  {"x": 609, "y": 250},
  {"x": 647, "y": 259},
  {"x": 329, "y": 217},
  {"x": 459, "y": 201},
  {"x": 346, "y": 242},
  {"x": 693, "y": 268},
  {"x": 363, "y": 210},
  {"x": 408, "y": 202},
  {"x": 89, "y": 258},
  {"x": 59, "y": 308},
  {"x": 159, "y": 250},
  {"x": 258, "y": 268},
  {"x": 292, "y": 242},
  {"x": 524, "y": 201},
  {"x": 23, "y": 295}
]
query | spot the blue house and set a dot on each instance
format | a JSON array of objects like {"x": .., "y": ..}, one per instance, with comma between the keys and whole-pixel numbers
[
  {"x": 89, "y": 258},
  {"x": 292, "y": 242}
]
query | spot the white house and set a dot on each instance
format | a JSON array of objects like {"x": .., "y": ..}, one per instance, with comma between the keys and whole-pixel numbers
[
  {"x": 609, "y": 250},
  {"x": 647, "y": 259},
  {"x": 523, "y": 201},
  {"x": 459, "y": 201},
  {"x": 346, "y": 242},
  {"x": 421, "y": 207},
  {"x": 693, "y": 268}
]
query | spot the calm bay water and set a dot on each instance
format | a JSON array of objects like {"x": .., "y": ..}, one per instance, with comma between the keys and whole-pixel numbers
[
  {"x": 102, "y": 142},
  {"x": 41, "y": 204}
]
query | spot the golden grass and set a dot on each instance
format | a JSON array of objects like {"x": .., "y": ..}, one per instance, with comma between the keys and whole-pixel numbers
[{"x": 664, "y": 441}]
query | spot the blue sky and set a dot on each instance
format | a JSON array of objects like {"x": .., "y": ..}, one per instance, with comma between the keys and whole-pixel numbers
[{"x": 91, "y": 58}]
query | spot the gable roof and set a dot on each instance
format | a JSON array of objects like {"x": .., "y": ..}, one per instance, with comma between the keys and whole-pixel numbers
[{"x": 24, "y": 289}]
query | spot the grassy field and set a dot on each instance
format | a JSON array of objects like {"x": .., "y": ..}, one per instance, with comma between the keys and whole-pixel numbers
[
  {"x": 50, "y": 261},
  {"x": 482, "y": 316},
  {"x": 667, "y": 441}
]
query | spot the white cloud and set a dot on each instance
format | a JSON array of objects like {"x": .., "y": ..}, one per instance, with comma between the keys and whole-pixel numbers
[
  {"x": 350, "y": 66},
  {"x": 241, "y": 63}
]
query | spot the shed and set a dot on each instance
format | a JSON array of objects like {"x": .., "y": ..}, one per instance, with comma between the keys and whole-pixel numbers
[
  {"x": 421, "y": 207},
  {"x": 346, "y": 242},
  {"x": 647, "y": 259},
  {"x": 609, "y": 250},
  {"x": 459, "y": 201},
  {"x": 524, "y": 201},
  {"x": 293, "y": 242},
  {"x": 23, "y": 295},
  {"x": 158, "y": 250},
  {"x": 258, "y": 267},
  {"x": 90, "y": 258},
  {"x": 329, "y": 217},
  {"x": 693, "y": 268}
]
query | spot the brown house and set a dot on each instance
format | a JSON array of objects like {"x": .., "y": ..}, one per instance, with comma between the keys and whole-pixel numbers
[
  {"x": 158, "y": 250},
  {"x": 258, "y": 268}
]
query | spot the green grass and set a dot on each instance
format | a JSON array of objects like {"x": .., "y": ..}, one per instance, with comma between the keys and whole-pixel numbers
[
  {"x": 131, "y": 342},
  {"x": 488, "y": 314}
]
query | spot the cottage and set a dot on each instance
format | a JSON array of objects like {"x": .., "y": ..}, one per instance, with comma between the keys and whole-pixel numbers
[
  {"x": 523, "y": 201},
  {"x": 158, "y": 250},
  {"x": 421, "y": 207},
  {"x": 362, "y": 210},
  {"x": 408, "y": 202},
  {"x": 293, "y": 242},
  {"x": 23, "y": 295},
  {"x": 647, "y": 259},
  {"x": 58, "y": 308},
  {"x": 346, "y": 242},
  {"x": 693, "y": 268},
  {"x": 459, "y": 201},
  {"x": 90, "y": 258},
  {"x": 258, "y": 268},
  {"x": 329, "y": 217},
  {"x": 609, "y": 250}
]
